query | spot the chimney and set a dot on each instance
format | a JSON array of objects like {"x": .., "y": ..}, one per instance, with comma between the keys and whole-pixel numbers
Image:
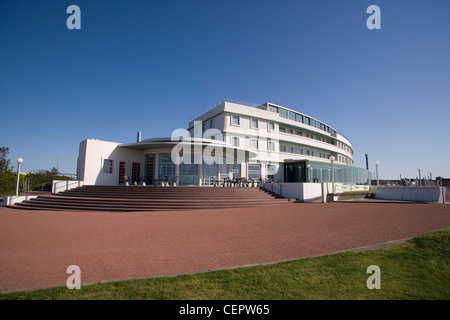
[{"x": 139, "y": 136}]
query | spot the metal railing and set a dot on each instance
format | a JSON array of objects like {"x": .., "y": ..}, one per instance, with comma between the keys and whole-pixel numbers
[{"x": 63, "y": 185}]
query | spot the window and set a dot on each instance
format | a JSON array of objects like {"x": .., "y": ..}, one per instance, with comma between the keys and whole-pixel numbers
[
  {"x": 255, "y": 143},
  {"x": 312, "y": 122},
  {"x": 298, "y": 117},
  {"x": 299, "y": 133},
  {"x": 254, "y": 123},
  {"x": 235, "y": 142},
  {"x": 236, "y": 170},
  {"x": 282, "y": 113},
  {"x": 107, "y": 166},
  {"x": 298, "y": 151},
  {"x": 282, "y": 129},
  {"x": 271, "y": 146},
  {"x": 166, "y": 167},
  {"x": 306, "y": 120},
  {"x": 291, "y": 149},
  {"x": 211, "y": 123},
  {"x": 203, "y": 127},
  {"x": 291, "y": 131},
  {"x": 122, "y": 165},
  {"x": 282, "y": 148},
  {"x": 271, "y": 126},
  {"x": 271, "y": 171},
  {"x": 235, "y": 120},
  {"x": 273, "y": 109},
  {"x": 254, "y": 171},
  {"x": 291, "y": 115}
]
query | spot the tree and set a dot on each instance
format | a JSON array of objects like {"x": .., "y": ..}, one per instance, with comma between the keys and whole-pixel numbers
[{"x": 4, "y": 163}]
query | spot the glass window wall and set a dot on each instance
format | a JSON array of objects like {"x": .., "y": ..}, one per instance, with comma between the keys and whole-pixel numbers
[
  {"x": 283, "y": 113},
  {"x": 166, "y": 168},
  {"x": 254, "y": 170},
  {"x": 321, "y": 172}
]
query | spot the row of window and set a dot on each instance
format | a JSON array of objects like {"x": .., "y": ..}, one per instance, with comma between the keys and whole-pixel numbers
[
  {"x": 304, "y": 134},
  {"x": 345, "y": 147},
  {"x": 254, "y": 124},
  {"x": 254, "y": 144},
  {"x": 291, "y": 115},
  {"x": 296, "y": 150}
]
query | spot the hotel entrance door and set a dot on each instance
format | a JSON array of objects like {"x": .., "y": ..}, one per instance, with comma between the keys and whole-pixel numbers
[{"x": 295, "y": 172}]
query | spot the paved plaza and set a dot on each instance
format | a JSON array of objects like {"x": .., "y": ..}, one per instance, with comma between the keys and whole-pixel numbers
[{"x": 36, "y": 247}]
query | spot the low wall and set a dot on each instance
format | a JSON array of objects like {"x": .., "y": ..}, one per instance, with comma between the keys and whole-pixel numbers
[
  {"x": 422, "y": 194},
  {"x": 63, "y": 185},
  {"x": 10, "y": 200},
  {"x": 307, "y": 192}
]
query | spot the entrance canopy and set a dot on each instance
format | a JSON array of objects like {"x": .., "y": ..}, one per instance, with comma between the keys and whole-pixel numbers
[
  {"x": 190, "y": 161},
  {"x": 195, "y": 145}
]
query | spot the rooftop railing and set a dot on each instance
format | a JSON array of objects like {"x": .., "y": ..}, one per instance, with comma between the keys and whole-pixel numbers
[{"x": 248, "y": 104}]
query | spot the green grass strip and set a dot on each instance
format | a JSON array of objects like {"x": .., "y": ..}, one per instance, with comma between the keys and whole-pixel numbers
[{"x": 418, "y": 269}]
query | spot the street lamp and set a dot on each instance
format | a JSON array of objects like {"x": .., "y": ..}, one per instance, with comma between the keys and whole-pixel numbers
[
  {"x": 19, "y": 162},
  {"x": 376, "y": 168},
  {"x": 332, "y": 171},
  {"x": 420, "y": 182}
]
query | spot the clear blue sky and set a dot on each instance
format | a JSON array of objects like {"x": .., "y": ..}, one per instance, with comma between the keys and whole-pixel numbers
[{"x": 154, "y": 65}]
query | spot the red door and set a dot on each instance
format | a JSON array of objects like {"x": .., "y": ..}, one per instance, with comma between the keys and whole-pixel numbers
[
  {"x": 122, "y": 172},
  {"x": 135, "y": 170}
]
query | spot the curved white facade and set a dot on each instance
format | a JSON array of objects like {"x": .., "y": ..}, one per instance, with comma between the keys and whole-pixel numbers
[
  {"x": 264, "y": 129},
  {"x": 232, "y": 140}
]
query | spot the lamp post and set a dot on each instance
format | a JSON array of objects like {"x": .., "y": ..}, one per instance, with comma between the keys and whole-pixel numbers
[
  {"x": 420, "y": 182},
  {"x": 19, "y": 162},
  {"x": 376, "y": 169},
  {"x": 332, "y": 171}
]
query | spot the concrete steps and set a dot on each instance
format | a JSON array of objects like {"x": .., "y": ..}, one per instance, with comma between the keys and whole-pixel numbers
[{"x": 150, "y": 198}]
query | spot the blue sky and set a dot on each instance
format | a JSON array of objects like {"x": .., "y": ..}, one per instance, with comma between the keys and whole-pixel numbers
[{"x": 151, "y": 66}]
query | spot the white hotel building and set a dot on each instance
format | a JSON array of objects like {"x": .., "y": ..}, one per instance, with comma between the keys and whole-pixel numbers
[{"x": 232, "y": 140}]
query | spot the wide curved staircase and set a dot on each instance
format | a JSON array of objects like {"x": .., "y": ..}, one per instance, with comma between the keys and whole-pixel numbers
[{"x": 150, "y": 198}]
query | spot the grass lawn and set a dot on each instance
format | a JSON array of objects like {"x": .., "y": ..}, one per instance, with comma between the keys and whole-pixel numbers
[{"x": 417, "y": 269}]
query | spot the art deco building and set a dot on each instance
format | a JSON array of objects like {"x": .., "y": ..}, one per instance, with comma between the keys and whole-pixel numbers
[{"x": 231, "y": 140}]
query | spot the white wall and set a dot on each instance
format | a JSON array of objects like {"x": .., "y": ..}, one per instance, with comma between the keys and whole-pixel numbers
[
  {"x": 91, "y": 156},
  {"x": 11, "y": 200},
  {"x": 307, "y": 192},
  {"x": 425, "y": 194}
]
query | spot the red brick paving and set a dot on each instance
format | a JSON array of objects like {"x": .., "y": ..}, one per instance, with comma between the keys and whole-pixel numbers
[{"x": 36, "y": 247}]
